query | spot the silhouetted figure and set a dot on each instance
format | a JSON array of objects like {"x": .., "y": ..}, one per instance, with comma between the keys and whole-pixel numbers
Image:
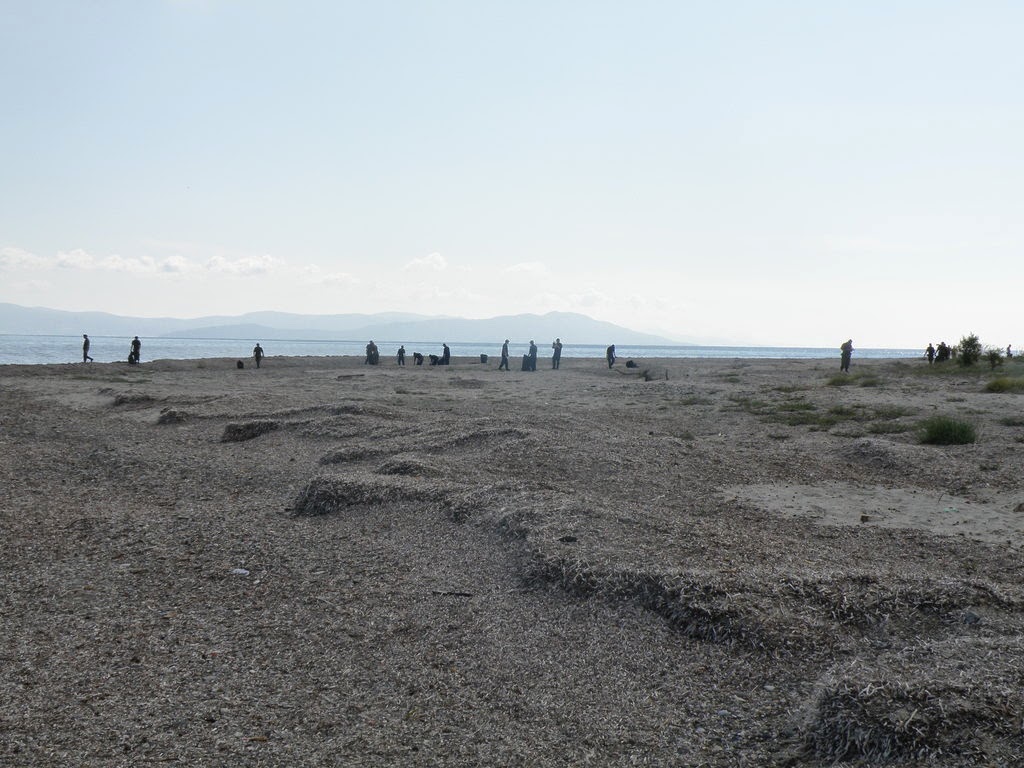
[
  {"x": 435, "y": 360},
  {"x": 609, "y": 355},
  {"x": 504, "y": 356},
  {"x": 239, "y": 365},
  {"x": 1009, "y": 352},
  {"x": 401, "y": 355},
  {"x": 446, "y": 354},
  {"x": 930, "y": 353},
  {"x": 532, "y": 354},
  {"x": 846, "y": 352},
  {"x": 372, "y": 354},
  {"x": 85, "y": 349},
  {"x": 417, "y": 358},
  {"x": 556, "y": 356},
  {"x": 257, "y": 354},
  {"x": 136, "y": 352},
  {"x": 942, "y": 353}
]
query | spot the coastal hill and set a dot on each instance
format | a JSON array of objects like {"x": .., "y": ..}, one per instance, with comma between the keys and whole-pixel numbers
[{"x": 385, "y": 326}]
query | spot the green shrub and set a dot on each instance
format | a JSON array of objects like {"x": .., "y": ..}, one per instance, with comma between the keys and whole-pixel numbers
[
  {"x": 970, "y": 349},
  {"x": 994, "y": 357},
  {"x": 943, "y": 430}
]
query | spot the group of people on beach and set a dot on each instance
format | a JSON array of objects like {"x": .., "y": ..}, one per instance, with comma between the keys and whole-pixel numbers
[
  {"x": 529, "y": 362},
  {"x": 944, "y": 352},
  {"x": 134, "y": 350}
]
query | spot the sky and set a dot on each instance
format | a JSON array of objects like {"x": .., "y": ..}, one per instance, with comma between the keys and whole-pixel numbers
[{"x": 777, "y": 173}]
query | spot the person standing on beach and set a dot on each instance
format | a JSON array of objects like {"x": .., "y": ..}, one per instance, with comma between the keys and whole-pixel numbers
[
  {"x": 532, "y": 356},
  {"x": 609, "y": 355},
  {"x": 930, "y": 353},
  {"x": 504, "y": 356},
  {"x": 446, "y": 354},
  {"x": 257, "y": 354},
  {"x": 401, "y": 355},
  {"x": 846, "y": 351},
  {"x": 136, "y": 349},
  {"x": 556, "y": 357},
  {"x": 85, "y": 349},
  {"x": 372, "y": 354}
]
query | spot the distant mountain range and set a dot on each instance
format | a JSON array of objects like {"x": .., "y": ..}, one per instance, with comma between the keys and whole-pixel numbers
[{"x": 385, "y": 326}]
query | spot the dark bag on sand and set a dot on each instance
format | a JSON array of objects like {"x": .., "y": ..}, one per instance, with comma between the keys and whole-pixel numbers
[{"x": 240, "y": 365}]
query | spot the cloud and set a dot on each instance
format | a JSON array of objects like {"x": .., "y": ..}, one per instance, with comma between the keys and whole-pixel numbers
[
  {"x": 432, "y": 262},
  {"x": 18, "y": 258},
  {"x": 245, "y": 266}
]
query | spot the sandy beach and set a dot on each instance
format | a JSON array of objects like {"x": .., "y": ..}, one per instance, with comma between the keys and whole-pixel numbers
[{"x": 696, "y": 562}]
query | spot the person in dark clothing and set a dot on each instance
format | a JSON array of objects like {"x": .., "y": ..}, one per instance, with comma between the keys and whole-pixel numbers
[
  {"x": 417, "y": 358},
  {"x": 609, "y": 355},
  {"x": 846, "y": 352},
  {"x": 446, "y": 355},
  {"x": 556, "y": 356},
  {"x": 85, "y": 349},
  {"x": 372, "y": 354},
  {"x": 504, "y": 356},
  {"x": 401, "y": 355},
  {"x": 257, "y": 354},
  {"x": 136, "y": 350},
  {"x": 532, "y": 354},
  {"x": 930, "y": 353}
]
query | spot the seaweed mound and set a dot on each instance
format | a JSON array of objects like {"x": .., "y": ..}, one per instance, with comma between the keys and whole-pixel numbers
[
  {"x": 919, "y": 704},
  {"x": 236, "y": 433},
  {"x": 328, "y": 495}
]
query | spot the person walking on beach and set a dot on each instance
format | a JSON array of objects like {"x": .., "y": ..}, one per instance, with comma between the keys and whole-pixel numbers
[
  {"x": 504, "y": 356},
  {"x": 609, "y": 355},
  {"x": 136, "y": 349},
  {"x": 532, "y": 355},
  {"x": 85, "y": 349},
  {"x": 930, "y": 353},
  {"x": 257, "y": 354},
  {"x": 556, "y": 357},
  {"x": 846, "y": 351},
  {"x": 401, "y": 355}
]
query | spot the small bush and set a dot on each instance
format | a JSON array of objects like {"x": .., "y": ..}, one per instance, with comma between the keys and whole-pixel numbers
[
  {"x": 970, "y": 350},
  {"x": 1005, "y": 384},
  {"x": 994, "y": 357},
  {"x": 943, "y": 430}
]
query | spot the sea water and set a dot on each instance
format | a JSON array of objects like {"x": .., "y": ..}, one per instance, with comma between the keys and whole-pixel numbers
[{"x": 32, "y": 350}]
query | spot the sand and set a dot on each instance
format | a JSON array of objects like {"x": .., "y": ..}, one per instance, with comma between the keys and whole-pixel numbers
[{"x": 702, "y": 562}]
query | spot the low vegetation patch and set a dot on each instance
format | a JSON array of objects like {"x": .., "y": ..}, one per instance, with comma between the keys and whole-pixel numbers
[
  {"x": 943, "y": 430},
  {"x": 1006, "y": 384},
  {"x": 855, "y": 379}
]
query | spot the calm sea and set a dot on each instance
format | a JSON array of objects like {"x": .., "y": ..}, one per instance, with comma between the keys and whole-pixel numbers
[{"x": 105, "y": 349}]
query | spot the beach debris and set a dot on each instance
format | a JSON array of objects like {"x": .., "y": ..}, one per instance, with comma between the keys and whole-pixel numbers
[
  {"x": 236, "y": 433},
  {"x": 171, "y": 416},
  {"x": 239, "y": 572}
]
